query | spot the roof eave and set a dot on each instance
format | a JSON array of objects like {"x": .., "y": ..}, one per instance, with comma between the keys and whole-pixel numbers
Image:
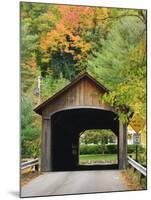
[{"x": 42, "y": 106}]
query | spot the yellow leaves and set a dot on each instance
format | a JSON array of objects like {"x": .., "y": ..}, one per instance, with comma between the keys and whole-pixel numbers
[
  {"x": 143, "y": 135},
  {"x": 101, "y": 13},
  {"x": 47, "y": 17},
  {"x": 101, "y": 16},
  {"x": 32, "y": 62},
  {"x": 45, "y": 60},
  {"x": 139, "y": 53},
  {"x": 44, "y": 42},
  {"x": 81, "y": 44}
]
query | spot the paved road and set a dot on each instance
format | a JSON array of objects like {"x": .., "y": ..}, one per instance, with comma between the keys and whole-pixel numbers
[{"x": 58, "y": 183}]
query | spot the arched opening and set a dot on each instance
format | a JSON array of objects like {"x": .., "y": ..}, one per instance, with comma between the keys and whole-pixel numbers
[
  {"x": 66, "y": 126},
  {"x": 98, "y": 147}
]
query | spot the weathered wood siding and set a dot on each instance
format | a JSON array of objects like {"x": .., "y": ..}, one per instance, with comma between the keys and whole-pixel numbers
[{"x": 83, "y": 93}]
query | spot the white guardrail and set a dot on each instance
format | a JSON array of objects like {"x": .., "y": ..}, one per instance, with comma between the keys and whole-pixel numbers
[
  {"x": 137, "y": 166},
  {"x": 30, "y": 163},
  {"x": 133, "y": 163}
]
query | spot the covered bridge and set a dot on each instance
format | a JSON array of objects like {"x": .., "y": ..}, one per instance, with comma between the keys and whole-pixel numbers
[{"x": 72, "y": 110}]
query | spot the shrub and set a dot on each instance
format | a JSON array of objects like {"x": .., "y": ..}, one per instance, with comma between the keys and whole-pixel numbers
[
  {"x": 98, "y": 149},
  {"x": 111, "y": 148},
  {"x": 132, "y": 148},
  {"x": 90, "y": 149},
  {"x": 108, "y": 149}
]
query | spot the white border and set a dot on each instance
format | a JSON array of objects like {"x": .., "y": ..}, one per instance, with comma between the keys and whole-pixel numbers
[{"x": 9, "y": 98}]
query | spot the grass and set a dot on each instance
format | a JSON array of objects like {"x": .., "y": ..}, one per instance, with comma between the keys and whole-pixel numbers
[
  {"x": 98, "y": 158},
  {"x": 109, "y": 157},
  {"x": 133, "y": 179},
  {"x": 27, "y": 177},
  {"x": 106, "y": 157}
]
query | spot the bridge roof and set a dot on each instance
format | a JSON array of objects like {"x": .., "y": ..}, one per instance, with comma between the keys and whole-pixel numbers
[{"x": 85, "y": 75}]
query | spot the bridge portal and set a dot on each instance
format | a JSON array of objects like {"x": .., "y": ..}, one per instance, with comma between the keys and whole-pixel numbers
[{"x": 74, "y": 109}]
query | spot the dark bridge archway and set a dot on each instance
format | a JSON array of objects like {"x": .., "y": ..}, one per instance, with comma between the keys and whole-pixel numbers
[
  {"x": 66, "y": 126},
  {"x": 74, "y": 109}
]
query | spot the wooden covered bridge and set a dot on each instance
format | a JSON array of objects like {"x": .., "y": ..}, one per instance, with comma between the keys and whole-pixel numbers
[{"x": 72, "y": 110}]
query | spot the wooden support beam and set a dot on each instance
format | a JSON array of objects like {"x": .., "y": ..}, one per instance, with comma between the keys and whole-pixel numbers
[
  {"x": 46, "y": 145},
  {"x": 122, "y": 146}
]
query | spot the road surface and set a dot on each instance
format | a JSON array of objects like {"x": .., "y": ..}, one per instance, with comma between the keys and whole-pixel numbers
[{"x": 60, "y": 183}]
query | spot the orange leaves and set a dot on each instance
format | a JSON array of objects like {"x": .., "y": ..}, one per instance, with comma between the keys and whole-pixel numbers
[
  {"x": 80, "y": 44},
  {"x": 63, "y": 40},
  {"x": 54, "y": 39},
  {"x": 69, "y": 33},
  {"x": 76, "y": 18},
  {"x": 69, "y": 17}
]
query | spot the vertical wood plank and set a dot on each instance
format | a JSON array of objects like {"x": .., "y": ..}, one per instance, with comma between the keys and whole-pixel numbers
[
  {"x": 122, "y": 146},
  {"x": 46, "y": 146}
]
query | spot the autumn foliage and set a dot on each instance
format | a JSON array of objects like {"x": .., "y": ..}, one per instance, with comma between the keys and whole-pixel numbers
[{"x": 60, "y": 42}]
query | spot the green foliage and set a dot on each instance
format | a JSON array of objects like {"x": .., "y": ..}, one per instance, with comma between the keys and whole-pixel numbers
[
  {"x": 109, "y": 149},
  {"x": 60, "y": 42},
  {"x": 36, "y": 20},
  {"x": 90, "y": 149},
  {"x": 142, "y": 157},
  {"x": 63, "y": 63},
  {"x": 112, "y": 148},
  {"x": 121, "y": 65},
  {"x": 50, "y": 86},
  {"x": 98, "y": 149},
  {"x": 97, "y": 136},
  {"x": 131, "y": 148},
  {"x": 29, "y": 131},
  {"x": 28, "y": 77},
  {"x": 29, "y": 42}
]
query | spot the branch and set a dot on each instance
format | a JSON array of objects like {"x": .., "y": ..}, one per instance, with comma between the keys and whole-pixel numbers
[{"x": 124, "y": 15}]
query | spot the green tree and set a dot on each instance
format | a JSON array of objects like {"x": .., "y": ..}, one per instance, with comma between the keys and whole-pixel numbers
[
  {"x": 96, "y": 136},
  {"x": 49, "y": 86},
  {"x": 29, "y": 131},
  {"x": 121, "y": 66},
  {"x": 66, "y": 48}
]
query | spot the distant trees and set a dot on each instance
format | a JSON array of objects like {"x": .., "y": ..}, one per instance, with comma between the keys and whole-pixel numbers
[
  {"x": 97, "y": 136},
  {"x": 66, "y": 48},
  {"x": 50, "y": 86},
  {"x": 30, "y": 132}
]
